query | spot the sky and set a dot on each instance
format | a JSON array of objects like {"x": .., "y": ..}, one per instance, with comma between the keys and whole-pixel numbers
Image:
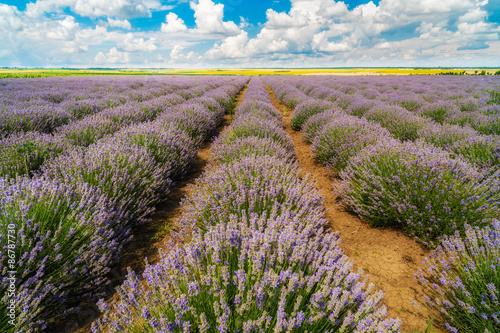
[{"x": 245, "y": 33}]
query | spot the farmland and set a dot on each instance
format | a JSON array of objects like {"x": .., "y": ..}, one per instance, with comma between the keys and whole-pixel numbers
[
  {"x": 325, "y": 203},
  {"x": 48, "y": 72}
]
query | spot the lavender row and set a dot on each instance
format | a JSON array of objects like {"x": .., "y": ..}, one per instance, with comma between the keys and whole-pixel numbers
[
  {"x": 259, "y": 258},
  {"x": 46, "y": 104},
  {"x": 393, "y": 183},
  {"x": 73, "y": 221},
  {"x": 462, "y": 280},
  {"x": 430, "y": 193},
  {"x": 465, "y": 101},
  {"x": 24, "y": 153},
  {"x": 480, "y": 149}
]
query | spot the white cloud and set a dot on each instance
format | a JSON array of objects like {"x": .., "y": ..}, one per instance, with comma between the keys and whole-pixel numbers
[
  {"x": 65, "y": 30},
  {"x": 132, "y": 44},
  {"x": 10, "y": 18},
  {"x": 97, "y": 8},
  {"x": 174, "y": 23},
  {"x": 113, "y": 57},
  {"x": 320, "y": 43},
  {"x": 178, "y": 54},
  {"x": 124, "y": 24},
  {"x": 331, "y": 30},
  {"x": 209, "y": 18},
  {"x": 425, "y": 7},
  {"x": 283, "y": 20},
  {"x": 312, "y": 32},
  {"x": 243, "y": 23},
  {"x": 232, "y": 47}
]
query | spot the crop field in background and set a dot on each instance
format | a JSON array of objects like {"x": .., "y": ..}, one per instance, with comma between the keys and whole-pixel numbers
[
  {"x": 356, "y": 202},
  {"x": 40, "y": 72}
]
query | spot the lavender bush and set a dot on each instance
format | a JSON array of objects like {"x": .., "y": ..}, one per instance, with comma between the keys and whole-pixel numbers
[
  {"x": 250, "y": 275},
  {"x": 462, "y": 279},
  {"x": 129, "y": 175},
  {"x": 315, "y": 124},
  {"x": 262, "y": 128},
  {"x": 403, "y": 124},
  {"x": 344, "y": 101},
  {"x": 411, "y": 102},
  {"x": 482, "y": 150},
  {"x": 224, "y": 98},
  {"x": 131, "y": 113},
  {"x": 293, "y": 97},
  {"x": 438, "y": 110},
  {"x": 23, "y": 153},
  {"x": 225, "y": 153},
  {"x": 64, "y": 245},
  {"x": 251, "y": 107},
  {"x": 360, "y": 106},
  {"x": 468, "y": 104},
  {"x": 343, "y": 137},
  {"x": 79, "y": 108},
  {"x": 417, "y": 187},
  {"x": 261, "y": 185},
  {"x": 212, "y": 105},
  {"x": 89, "y": 130},
  {"x": 167, "y": 145},
  {"x": 195, "y": 119},
  {"x": 486, "y": 124},
  {"x": 307, "y": 109},
  {"x": 43, "y": 118}
]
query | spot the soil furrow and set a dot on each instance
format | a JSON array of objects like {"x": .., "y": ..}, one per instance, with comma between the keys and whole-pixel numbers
[{"x": 390, "y": 257}]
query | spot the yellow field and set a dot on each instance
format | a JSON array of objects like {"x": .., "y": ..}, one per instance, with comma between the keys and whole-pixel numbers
[{"x": 37, "y": 72}]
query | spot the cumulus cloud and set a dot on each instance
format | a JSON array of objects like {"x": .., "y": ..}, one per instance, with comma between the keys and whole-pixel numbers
[
  {"x": 209, "y": 18},
  {"x": 97, "y": 8},
  {"x": 113, "y": 57},
  {"x": 312, "y": 32},
  {"x": 178, "y": 54},
  {"x": 133, "y": 44},
  {"x": 124, "y": 24},
  {"x": 332, "y": 31},
  {"x": 232, "y": 47},
  {"x": 174, "y": 23}
]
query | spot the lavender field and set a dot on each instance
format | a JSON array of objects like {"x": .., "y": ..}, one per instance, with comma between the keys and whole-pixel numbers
[{"x": 85, "y": 163}]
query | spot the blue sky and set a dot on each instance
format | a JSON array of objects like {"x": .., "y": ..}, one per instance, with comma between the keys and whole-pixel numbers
[{"x": 244, "y": 33}]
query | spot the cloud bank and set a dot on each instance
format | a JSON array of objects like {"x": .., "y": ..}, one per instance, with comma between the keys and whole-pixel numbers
[{"x": 79, "y": 33}]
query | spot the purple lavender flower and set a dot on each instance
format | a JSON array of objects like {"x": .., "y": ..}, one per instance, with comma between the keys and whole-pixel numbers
[
  {"x": 23, "y": 153},
  {"x": 288, "y": 283},
  {"x": 461, "y": 276},
  {"x": 195, "y": 119},
  {"x": 237, "y": 149},
  {"x": 418, "y": 187},
  {"x": 65, "y": 245},
  {"x": 168, "y": 145},
  {"x": 343, "y": 137},
  {"x": 315, "y": 124},
  {"x": 307, "y": 109},
  {"x": 403, "y": 124},
  {"x": 129, "y": 175},
  {"x": 254, "y": 126}
]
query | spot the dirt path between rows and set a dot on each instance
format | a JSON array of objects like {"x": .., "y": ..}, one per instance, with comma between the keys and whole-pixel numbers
[
  {"x": 388, "y": 256},
  {"x": 150, "y": 237}
]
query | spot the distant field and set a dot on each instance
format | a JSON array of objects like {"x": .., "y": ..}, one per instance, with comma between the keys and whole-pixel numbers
[{"x": 36, "y": 72}]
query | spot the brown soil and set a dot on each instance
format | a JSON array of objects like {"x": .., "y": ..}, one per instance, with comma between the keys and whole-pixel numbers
[
  {"x": 388, "y": 256},
  {"x": 150, "y": 237}
]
